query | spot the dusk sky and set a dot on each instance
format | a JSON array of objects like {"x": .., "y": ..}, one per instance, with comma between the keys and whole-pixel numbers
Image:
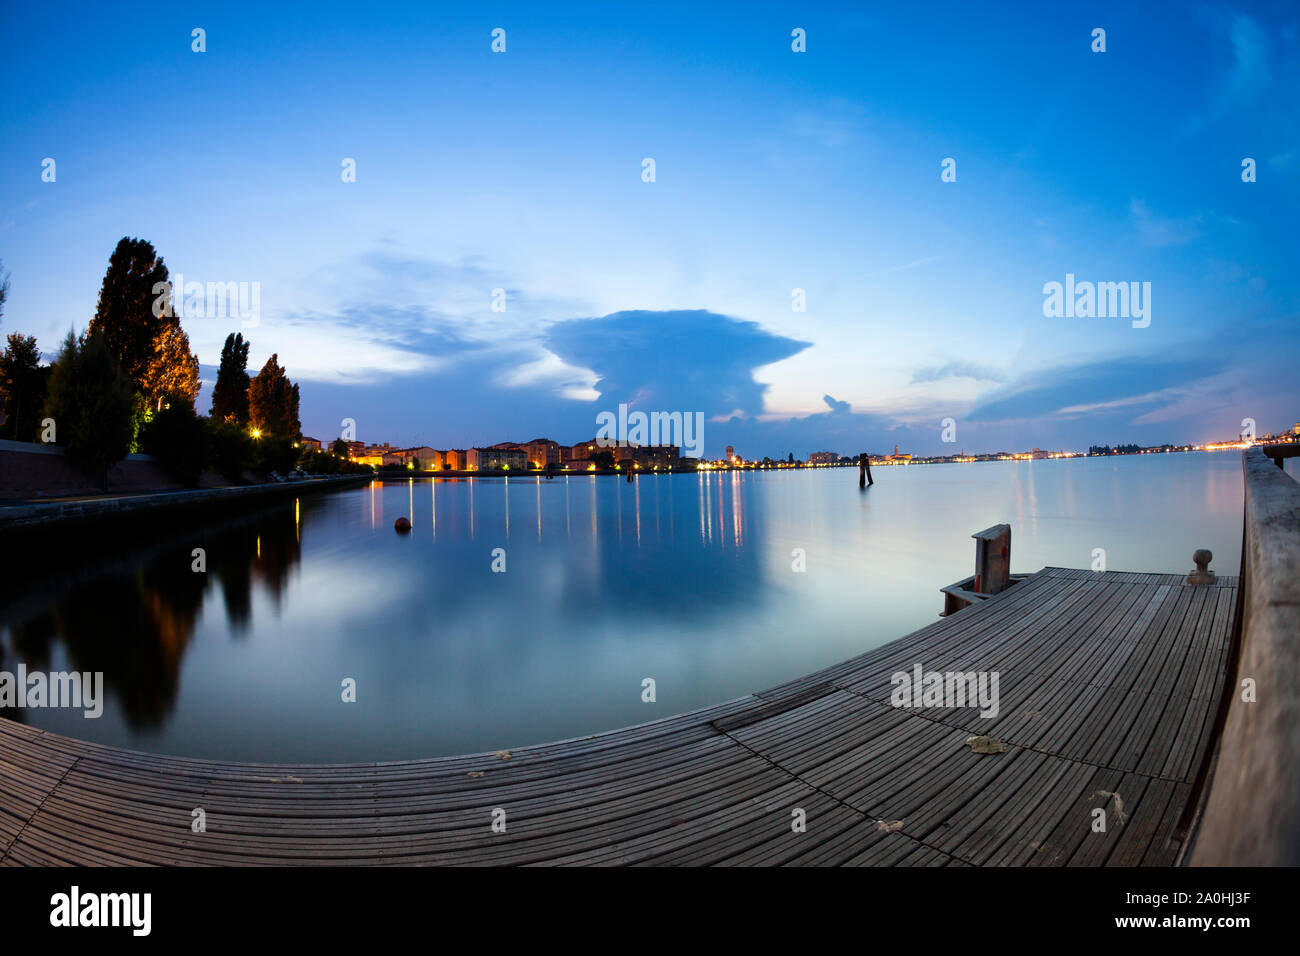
[{"x": 775, "y": 171}]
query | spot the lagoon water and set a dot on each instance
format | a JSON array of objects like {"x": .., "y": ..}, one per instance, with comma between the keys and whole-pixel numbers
[{"x": 684, "y": 579}]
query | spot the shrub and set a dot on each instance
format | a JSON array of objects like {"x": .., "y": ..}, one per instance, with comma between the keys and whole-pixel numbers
[
  {"x": 230, "y": 447},
  {"x": 178, "y": 439}
]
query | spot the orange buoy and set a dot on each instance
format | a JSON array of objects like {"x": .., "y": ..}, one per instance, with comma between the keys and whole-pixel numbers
[{"x": 402, "y": 524}]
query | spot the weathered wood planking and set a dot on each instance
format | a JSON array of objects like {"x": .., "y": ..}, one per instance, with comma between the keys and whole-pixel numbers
[{"x": 1108, "y": 687}]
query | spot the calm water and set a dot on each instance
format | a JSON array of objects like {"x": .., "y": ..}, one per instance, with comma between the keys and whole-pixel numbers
[{"x": 683, "y": 579}]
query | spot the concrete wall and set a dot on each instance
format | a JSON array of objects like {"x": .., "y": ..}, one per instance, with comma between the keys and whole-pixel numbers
[
  {"x": 1251, "y": 814},
  {"x": 125, "y": 510},
  {"x": 29, "y": 470}
]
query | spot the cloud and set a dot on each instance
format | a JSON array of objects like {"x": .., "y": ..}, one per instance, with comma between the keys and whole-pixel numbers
[
  {"x": 1248, "y": 72},
  {"x": 381, "y": 316},
  {"x": 832, "y": 127},
  {"x": 550, "y": 370},
  {"x": 1090, "y": 388},
  {"x": 684, "y": 360},
  {"x": 938, "y": 373},
  {"x": 1155, "y": 231},
  {"x": 904, "y": 267}
]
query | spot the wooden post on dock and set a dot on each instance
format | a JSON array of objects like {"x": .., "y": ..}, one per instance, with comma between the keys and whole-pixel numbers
[
  {"x": 992, "y": 559},
  {"x": 864, "y": 471}
]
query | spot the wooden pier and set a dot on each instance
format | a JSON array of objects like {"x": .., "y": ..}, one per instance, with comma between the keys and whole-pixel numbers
[{"x": 1110, "y": 684}]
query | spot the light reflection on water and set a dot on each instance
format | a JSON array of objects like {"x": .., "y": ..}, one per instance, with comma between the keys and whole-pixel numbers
[{"x": 687, "y": 579}]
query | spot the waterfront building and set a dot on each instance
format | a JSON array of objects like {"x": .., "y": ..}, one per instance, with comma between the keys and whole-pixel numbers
[
  {"x": 625, "y": 454},
  {"x": 422, "y": 458},
  {"x": 542, "y": 452},
  {"x": 492, "y": 459}
]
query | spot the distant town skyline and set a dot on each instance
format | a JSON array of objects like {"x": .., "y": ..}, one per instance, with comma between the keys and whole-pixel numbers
[
  {"x": 783, "y": 180},
  {"x": 541, "y": 452}
]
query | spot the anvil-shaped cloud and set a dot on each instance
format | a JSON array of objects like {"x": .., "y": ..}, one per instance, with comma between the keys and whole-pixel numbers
[{"x": 685, "y": 360}]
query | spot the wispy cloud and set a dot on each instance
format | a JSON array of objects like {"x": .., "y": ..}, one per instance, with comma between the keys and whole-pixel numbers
[
  {"x": 834, "y": 126},
  {"x": 904, "y": 267},
  {"x": 938, "y": 373},
  {"x": 1249, "y": 70},
  {"x": 1140, "y": 383},
  {"x": 1154, "y": 230}
]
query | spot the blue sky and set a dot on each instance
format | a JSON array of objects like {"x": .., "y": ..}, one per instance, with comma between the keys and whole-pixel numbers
[{"x": 775, "y": 170}]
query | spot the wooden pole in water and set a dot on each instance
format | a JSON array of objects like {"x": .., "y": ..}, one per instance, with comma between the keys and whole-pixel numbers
[{"x": 864, "y": 471}]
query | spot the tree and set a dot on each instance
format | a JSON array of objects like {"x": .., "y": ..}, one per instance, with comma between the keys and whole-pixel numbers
[
  {"x": 178, "y": 439},
  {"x": 273, "y": 403},
  {"x": 790, "y": 460},
  {"x": 22, "y": 382},
  {"x": 127, "y": 314},
  {"x": 4, "y": 288},
  {"x": 339, "y": 448},
  {"x": 92, "y": 404},
  {"x": 172, "y": 374},
  {"x": 230, "y": 393}
]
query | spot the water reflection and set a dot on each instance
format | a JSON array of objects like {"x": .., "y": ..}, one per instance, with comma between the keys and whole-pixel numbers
[
  {"x": 244, "y": 661},
  {"x": 134, "y": 621}
]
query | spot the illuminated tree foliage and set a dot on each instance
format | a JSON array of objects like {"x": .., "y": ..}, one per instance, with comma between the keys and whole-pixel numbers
[{"x": 173, "y": 371}]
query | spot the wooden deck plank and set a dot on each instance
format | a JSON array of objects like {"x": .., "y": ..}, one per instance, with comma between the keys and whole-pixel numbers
[{"x": 1108, "y": 685}]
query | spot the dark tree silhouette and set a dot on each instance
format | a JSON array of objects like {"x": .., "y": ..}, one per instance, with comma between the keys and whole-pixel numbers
[
  {"x": 22, "y": 383},
  {"x": 129, "y": 303},
  {"x": 273, "y": 402},
  {"x": 230, "y": 393},
  {"x": 92, "y": 404},
  {"x": 4, "y": 288}
]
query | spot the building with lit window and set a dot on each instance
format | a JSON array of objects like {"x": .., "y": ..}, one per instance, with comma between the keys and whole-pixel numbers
[{"x": 493, "y": 459}]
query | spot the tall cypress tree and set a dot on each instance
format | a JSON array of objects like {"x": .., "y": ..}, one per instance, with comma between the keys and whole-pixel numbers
[
  {"x": 230, "y": 393},
  {"x": 4, "y": 288},
  {"x": 128, "y": 305}
]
